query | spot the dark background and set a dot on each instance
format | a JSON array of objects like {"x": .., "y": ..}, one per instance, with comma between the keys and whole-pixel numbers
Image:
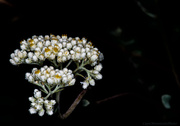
[{"x": 141, "y": 62}]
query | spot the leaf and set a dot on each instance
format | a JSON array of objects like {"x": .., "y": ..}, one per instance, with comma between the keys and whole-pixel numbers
[
  {"x": 117, "y": 32},
  {"x": 85, "y": 102},
  {"x": 165, "y": 100},
  {"x": 127, "y": 43}
]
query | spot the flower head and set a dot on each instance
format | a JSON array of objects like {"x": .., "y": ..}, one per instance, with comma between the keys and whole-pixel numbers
[
  {"x": 51, "y": 76},
  {"x": 62, "y": 49},
  {"x": 37, "y": 103}
]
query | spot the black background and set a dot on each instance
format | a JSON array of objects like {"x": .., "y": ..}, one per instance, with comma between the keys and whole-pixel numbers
[{"x": 96, "y": 21}]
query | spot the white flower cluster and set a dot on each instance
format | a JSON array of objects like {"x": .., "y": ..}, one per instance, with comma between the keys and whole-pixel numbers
[
  {"x": 92, "y": 73},
  {"x": 59, "y": 48},
  {"x": 51, "y": 76},
  {"x": 37, "y": 103},
  {"x": 18, "y": 57}
]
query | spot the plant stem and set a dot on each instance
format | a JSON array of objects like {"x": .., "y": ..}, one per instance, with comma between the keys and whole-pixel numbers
[
  {"x": 54, "y": 62},
  {"x": 68, "y": 63},
  {"x": 82, "y": 65},
  {"x": 58, "y": 102},
  {"x": 73, "y": 106}
]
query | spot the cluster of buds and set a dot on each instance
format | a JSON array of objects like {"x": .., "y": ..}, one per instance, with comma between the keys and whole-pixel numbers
[
  {"x": 37, "y": 103},
  {"x": 50, "y": 76},
  {"x": 92, "y": 73},
  {"x": 61, "y": 51}
]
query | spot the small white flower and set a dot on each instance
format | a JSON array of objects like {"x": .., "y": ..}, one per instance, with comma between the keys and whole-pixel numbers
[
  {"x": 20, "y": 55},
  {"x": 98, "y": 76},
  {"x": 53, "y": 102},
  {"x": 94, "y": 58},
  {"x": 32, "y": 99},
  {"x": 31, "y": 79},
  {"x": 49, "y": 112},
  {"x": 27, "y": 75},
  {"x": 28, "y": 60},
  {"x": 43, "y": 78},
  {"x": 47, "y": 43},
  {"x": 50, "y": 81},
  {"x": 41, "y": 57},
  {"x": 73, "y": 42},
  {"x": 12, "y": 55},
  {"x": 35, "y": 59},
  {"x": 41, "y": 112},
  {"x": 64, "y": 58},
  {"x": 49, "y": 106},
  {"x": 12, "y": 62},
  {"x": 88, "y": 54},
  {"x": 37, "y": 94},
  {"x": 77, "y": 56},
  {"x": 85, "y": 84},
  {"x": 65, "y": 70},
  {"x": 40, "y": 44},
  {"x": 69, "y": 45},
  {"x": 52, "y": 56},
  {"x": 69, "y": 77},
  {"x": 72, "y": 82},
  {"x": 30, "y": 54},
  {"x": 38, "y": 106},
  {"x": 16, "y": 59},
  {"x": 64, "y": 80},
  {"x": 95, "y": 72},
  {"x": 92, "y": 82},
  {"x": 32, "y": 110},
  {"x": 83, "y": 55},
  {"x": 23, "y": 47},
  {"x": 98, "y": 67},
  {"x": 24, "y": 54}
]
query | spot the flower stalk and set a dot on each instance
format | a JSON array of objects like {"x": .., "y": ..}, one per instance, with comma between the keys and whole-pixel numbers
[{"x": 73, "y": 106}]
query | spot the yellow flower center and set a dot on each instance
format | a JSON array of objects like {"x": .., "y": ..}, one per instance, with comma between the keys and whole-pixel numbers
[
  {"x": 55, "y": 49},
  {"x": 47, "y": 72},
  {"x": 37, "y": 71},
  {"x": 47, "y": 50},
  {"x": 31, "y": 45},
  {"x": 57, "y": 76},
  {"x": 31, "y": 41}
]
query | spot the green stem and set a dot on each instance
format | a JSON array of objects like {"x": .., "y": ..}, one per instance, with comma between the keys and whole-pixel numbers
[
  {"x": 44, "y": 88},
  {"x": 69, "y": 63},
  {"x": 87, "y": 71},
  {"x": 81, "y": 66},
  {"x": 80, "y": 75},
  {"x": 54, "y": 62}
]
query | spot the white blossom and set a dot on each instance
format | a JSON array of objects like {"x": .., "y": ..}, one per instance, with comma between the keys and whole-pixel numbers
[
  {"x": 32, "y": 110},
  {"x": 98, "y": 67},
  {"x": 37, "y": 103},
  {"x": 85, "y": 84},
  {"x": 50, "y": 76},
  {"x": 94, "y": 58},
  {"x": 60, "y": 51},
  {"x": 98, "y": 76},
  {"x": 91, "y": 82},
  {"x": 39, "y": 48}
]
